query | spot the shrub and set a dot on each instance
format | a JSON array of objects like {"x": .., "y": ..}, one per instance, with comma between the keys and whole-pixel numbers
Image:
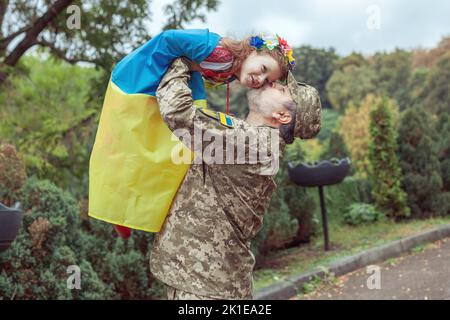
[
  {"x": 12, "y": 173},
  {"x": 37, "y": 260},
  {"x": 338, "y": 197},
  {"x": 53, "y": 237},
  {"x": 358, "y": 213}
]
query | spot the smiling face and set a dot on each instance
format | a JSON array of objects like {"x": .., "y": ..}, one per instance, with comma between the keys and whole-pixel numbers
[{"x": 258, "y": 69}]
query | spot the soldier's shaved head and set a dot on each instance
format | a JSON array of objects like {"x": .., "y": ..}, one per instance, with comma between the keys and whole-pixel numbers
[{"x": 271, "y": 105}]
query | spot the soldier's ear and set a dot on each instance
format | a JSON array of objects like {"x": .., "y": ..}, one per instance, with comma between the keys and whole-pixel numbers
[{"x": 283, "y": 117}]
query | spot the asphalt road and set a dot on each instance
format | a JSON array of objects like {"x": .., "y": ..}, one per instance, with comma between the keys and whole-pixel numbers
[{"x": 422, "y": 274}]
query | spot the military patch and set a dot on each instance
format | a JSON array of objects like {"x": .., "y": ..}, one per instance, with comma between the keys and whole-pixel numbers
[{"x": 223, "y": 118}]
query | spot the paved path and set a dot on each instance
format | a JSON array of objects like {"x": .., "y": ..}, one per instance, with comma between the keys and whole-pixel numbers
[{"x": 421, "y": 275}]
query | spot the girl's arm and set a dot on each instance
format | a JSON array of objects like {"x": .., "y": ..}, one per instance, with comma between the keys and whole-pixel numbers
[
  {"x": 193, "y": 66},
  {"x": 142, "y": 70}
]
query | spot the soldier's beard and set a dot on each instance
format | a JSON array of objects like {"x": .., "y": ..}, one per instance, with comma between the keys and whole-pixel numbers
[{"x": 257, "y": 104}]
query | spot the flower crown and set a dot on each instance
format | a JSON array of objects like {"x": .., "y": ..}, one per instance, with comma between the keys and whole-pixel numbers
[{"x": 272, "y": 42}]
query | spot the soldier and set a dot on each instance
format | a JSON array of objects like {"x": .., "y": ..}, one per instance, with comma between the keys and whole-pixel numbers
[{"x": 203, "y": 249}]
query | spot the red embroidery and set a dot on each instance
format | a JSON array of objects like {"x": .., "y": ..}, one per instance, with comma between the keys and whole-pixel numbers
[{"x": 220, "y": 55}]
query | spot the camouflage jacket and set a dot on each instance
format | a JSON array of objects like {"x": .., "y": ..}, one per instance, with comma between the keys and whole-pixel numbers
[{"x": 204, "y": 244}]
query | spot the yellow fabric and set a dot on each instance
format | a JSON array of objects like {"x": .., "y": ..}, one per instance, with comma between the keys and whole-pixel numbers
[{"x": 132, "y": 179}]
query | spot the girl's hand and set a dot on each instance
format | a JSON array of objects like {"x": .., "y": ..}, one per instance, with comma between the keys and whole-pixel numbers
[{"x": 192, "y": 65}]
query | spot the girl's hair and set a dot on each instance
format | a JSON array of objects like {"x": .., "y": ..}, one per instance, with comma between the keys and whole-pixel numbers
[{"x": 242, "y": 49}]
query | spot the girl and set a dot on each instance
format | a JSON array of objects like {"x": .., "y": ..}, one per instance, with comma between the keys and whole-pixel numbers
[{"x": 132, "y": 178}]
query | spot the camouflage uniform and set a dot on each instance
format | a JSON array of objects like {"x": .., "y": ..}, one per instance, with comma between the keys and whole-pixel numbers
[
  {"x": 176, "y": 294},
  {"x": 203, "y": 247}
]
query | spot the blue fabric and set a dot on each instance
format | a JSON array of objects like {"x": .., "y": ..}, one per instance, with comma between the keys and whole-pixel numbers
[
  {"x": 197, "y": 86},
  {"x": 142, "y": 70}
]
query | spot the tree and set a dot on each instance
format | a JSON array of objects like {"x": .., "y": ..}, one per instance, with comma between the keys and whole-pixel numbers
[
  {"x": 420, "y": 164},
  {"x": 423, "y": 58},
  {"x": 315, "y": 66},
  {"x": 443, "y": 146},
  {"x": 350, "y": 85},
  {"x": 437, "y": 87},
  {"x": 393, "y": 71},
  {"x": 443, "y": 149},
  {"x": 385, "y": 173},
  {"x": 335, "y": 147},
  {"x": 354, "y": 129},
  {"x": 416, "y": 88},
  {"x": 31, "y": 29},
  {"x": 353, "y": 59},
  {"x": 53, "y": 129},
  {"x": 109, "y": 28},
  {"x": 330, "y": 122}
]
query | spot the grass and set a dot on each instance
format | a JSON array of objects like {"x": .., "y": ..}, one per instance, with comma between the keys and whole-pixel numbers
[{"x": 345, "y": 240}]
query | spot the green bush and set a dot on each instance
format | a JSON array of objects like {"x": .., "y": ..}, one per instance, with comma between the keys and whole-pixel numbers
[
  {"x": 339, "y": 196},
  {"x": 12, "y": 173},
  {"x": 358, "y": 213},
  {"x": 54, "y": 237},
  {"x": 35, "y": 265}
]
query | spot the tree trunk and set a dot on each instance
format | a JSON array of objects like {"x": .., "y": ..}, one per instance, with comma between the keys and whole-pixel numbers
[
  {"x": 32, "y": 35},
  {"x": 3, "y": 7}
]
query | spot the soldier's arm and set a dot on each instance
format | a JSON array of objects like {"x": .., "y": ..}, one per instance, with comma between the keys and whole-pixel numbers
[
  {"x": 174, "y": 96},
  {"x": 176, "y": 104},
  {"x": 177, "y": 109}
]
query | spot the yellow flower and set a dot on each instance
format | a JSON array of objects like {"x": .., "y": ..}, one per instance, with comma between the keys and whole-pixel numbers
[{"x": 290, "y": 57}]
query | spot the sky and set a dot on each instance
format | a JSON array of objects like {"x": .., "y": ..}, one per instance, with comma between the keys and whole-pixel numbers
[{"x": 347, "y": 25}]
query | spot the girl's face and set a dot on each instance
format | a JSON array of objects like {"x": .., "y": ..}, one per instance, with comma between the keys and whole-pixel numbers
[{"x": 257, "y": 69}]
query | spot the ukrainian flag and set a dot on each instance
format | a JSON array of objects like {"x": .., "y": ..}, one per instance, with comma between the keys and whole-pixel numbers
[{"x": 132, "y": 180}]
